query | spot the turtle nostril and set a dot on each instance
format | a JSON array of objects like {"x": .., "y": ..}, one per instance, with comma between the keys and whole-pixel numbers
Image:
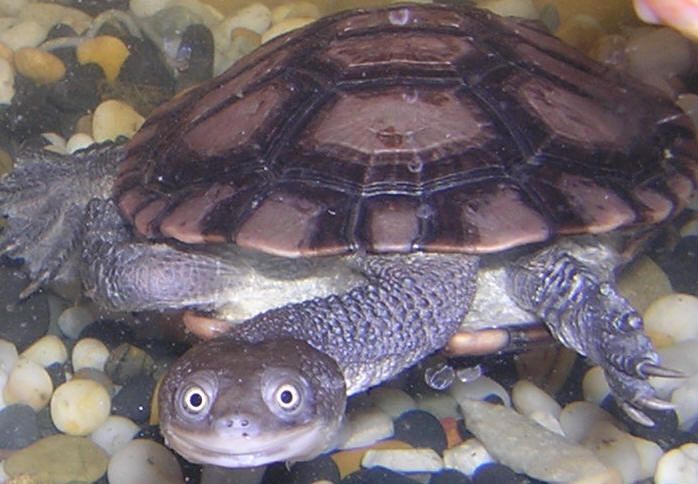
[{"x": 244, "y": 422}]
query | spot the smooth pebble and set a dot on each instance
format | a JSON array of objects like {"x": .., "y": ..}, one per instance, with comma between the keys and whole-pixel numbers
[
  {"x": 507, "y": 8},
  {"x": 78, "y": 141},
  {"x": 24, "y": 34},
  {"x": 114, "y": 433},
  {"x": 8, "y": 355},
  {"x": 678, "y": 466},
  {"x": 478, "y": 389},
  {"x": 28, "y": 383},
  {"x": 146, "y": 8},
  {"x": 46, "y": 351},
  {"x": 594, "y": 385},
  {"x": 294, "y": 9},
  {"x": 467, "y": 456},
  {"x": 615, "y": 448},
  {"x": 114, "y": 118},
  {"x": 546, "y": 420},
  {"x": 12, "y": 7},
  {"x": 79, "y": 407},
  {"x": 404, "y": 460},
  {"x": 680, "y": 356},
  {"x": 106, "y": 51},
  {"x": 439, "y": 404},
  {"x": 577, "y": 419},
  {"x": 674, "y": 316},
  {"x": 74, "y": 319},
  {"x": 7, "y": 82},
  {"x": 90, "y": 353},
  {"x": 685, "y": 398},
  {"x": 285, "y": 26},
  {"x": 366, "y": 426},
  {"x": 527, "y": 398},
  {"x": 143, "y": 461},
  {"x": 49, "y": 15},
  {"x": 392, "y": 401},
  {"x": 643, "y": 282}
]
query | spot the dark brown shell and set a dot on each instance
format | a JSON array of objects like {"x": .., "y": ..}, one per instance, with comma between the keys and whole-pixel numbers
[{"x": 408, "y": 128}]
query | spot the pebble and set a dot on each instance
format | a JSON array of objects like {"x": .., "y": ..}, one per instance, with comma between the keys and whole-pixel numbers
[
  {"x": 194, "y": 56},
  {"x": 507, "y": 8},
  {"x": 143, "y": 461},
  {"x": 256, "y": 17},
  {"x": 594, "y": 385},
  {"x": 78, "y": 141},
  {"x": 349, "y": 461},
  {"x": 449, "y": 476},
  {"x": 24, "y": 34},
  {"x": 678, "y": 466},
  {"x": 127, "y": 361},
  {"x": 146, "y": 8},
  {"x": 513, "y": 439},
  {"x": 467, "y": 457},
  {"x": 106, "y": 51},
  {"x": 114, "y": 118},
  {"x": 133, "y": 400},
  {"x": 643, "y": 282},
  {"x": 58, "y": 458},
  {"x": 18, "y": 427},
  {"x": 439, "y": 404},
  {"x": 404, "y": 460},
  {"x": 97, "y": 376},
  {"x": 528, "y": 398},
  {"x": 285, "y": 26},
  {"x": 28, "y": 383},
  {"x": 376, "y": 475},
  {"x": 685, "y": 398},
  {"x": 7, "y": 82},
  {"x": 420, "y": 429},
  {"x": 46, "y": 351},
  {"x": 8, "y": 355},
  {"x": 114, "y": 433},
  {"x": 479, "y": 389},
  {"x": 674, "y": 318},
  {"x": 74, "y": 319},
  {"x": 364, "y": 427},
  {"x": 392, "y": 401},
  {"x": 12, "y": 7},
  {"x": 680, "y": 356},
  {"x": 49, "y": 15},
  {"x": 90, "y": 353},
  {"x": 294, "y": 9},
  {"x": 577, "y": 419},
  {"x": 496, "y": 473},
  {"x": 79, "y": 407}
]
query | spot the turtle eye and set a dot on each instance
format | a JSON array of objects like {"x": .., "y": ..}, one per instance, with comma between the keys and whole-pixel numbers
[
  {"x": 287, "y": 397},
  {"x": 194, "y": 400}
]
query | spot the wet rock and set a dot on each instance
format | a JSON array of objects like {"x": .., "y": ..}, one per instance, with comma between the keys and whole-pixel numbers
[
  {"x": 127, "y": 361},
  {"x": 144, "y": 461},
  {"x": 59, "y": 458},
  {"x": 113, "y": 119},
  {"x": 58, "y": 373},
  {"x": 528, "y": 398},
  {"x": 285, "y": 26},
  {"x": 89, "y": 353},
  {"x": 449, "y": 476},
  {"x": 38, "y": 65},
  {"x": 7, "y": 82},
  {"x": 681, "y": 265},
  {"x": 28, "y": 383},
  {"x": 678, "y": 465},
  {"x": 114, "y": 433},
  {"x": 133, "y": 400},
  {"x": 391, "y": 401},
  {"x": 497, "y": 474},
  {"x": 675, "y": 317},
  {"x": 24, "y": 34},
  {"x": 194, "y": 61},
  {"x": 8, "y": 355},
  {"x": 322, "y": 468},
  {"x": 467, "y": 457},
  {"x": 18, "y": 427},
  {"x": 479, "y": 388},
  {"x": 404, "y": 460},
  {"x": 365, "y": 427},
  {"x": 78, "y": 407},
  {"x": 46, "y": 351},
  {"x": 106, "y": 51},
  {"x": 377, "y": 475},
  {"x": 420, "y": 429},
  {"x": 78, "y": 92}
]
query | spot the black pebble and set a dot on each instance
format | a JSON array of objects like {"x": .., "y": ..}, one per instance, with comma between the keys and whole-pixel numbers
[
  {"x": 420, "y": 429},
  {"x": 194, "y": 56},
  {"x": 151, "y": 432},
  {"x": 449, "y": 476},
  {"x": 320, "y": 468},
  {"x": 681, "y": 265},
  {"x": 663, "y": 433},
  {"x": 133, "y": 401},
  {"x": 463, "y": 431},
  {"x": 377, "y": 475},
  {"x": 57, "y": 373},
  {"x": 18, "y": 427},
  {"x": 496, "y": 474}
]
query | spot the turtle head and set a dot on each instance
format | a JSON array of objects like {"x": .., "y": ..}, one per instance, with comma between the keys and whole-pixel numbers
[{"x": 238, "y": 404}]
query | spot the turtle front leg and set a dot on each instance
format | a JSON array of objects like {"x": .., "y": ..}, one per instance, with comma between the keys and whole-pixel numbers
[{"x": 578, "y": 300}]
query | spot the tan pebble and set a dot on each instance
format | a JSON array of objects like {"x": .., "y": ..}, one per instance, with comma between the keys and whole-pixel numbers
[
  {"x": 578, "y": 417},
  {"x": 244, "y": 41},
  {"x": 144, "y": 461},
  {"x": 581, "y": 32},
  {"x": 114, "y": 433},
  {"x": 256, "y": 16},
  {"x": 12, "y": 7},
  {"x": 507, "y": 8},
  {"x": 674, "y": 316},
  {"x": 5, "y": 52},
  {"x": 28, "y": 383},
  {"x": 46, "y": 351},
  {"x": 365, "y": 427},
  {"x": 84, "y": 125},
  {"x": 74, "y": 319},
  {"x": 24, "y": 34},
  {"x": 146, "y": 8},
  {"x": 49, "y": 14},
  {"x": 112, "y": 119},
  {"x": 615, "y": 448},
  {"x": 528, "y": 398},
  {"x": 285, "y": 26},
  {"x": 594, "y": 385},
  {"x": 78, "y": 407},
  {"x": 467, "y": 456},
  {"x": 58, "y": 459},
  {"x": 679, "y": 465},
  {"x": 78, "y": 141},
  {"x": 90, "y": 353},
  {"x": 7, "y": 82},
  {"x": 643, "y": 282},
  {"x": 349, "y": 461},
  {"x": 98, "y": 376},
  {"x": 8, "y": 355},
  {"x": 106, "y": 51},
  {"x": 294, "y": 9}
]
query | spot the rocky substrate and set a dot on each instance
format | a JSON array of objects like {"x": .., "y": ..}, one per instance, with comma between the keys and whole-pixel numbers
[{"x": 77, "y": 386}]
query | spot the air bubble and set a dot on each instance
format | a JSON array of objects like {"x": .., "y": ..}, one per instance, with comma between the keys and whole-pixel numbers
[
  {"x": 411, "y": 96},
  {"x": 399, "y": 17},
  {"x": 415, "y": 165},
  {"x": 470, "y": 373},
  {"x": 425, "y": 211},
  {"x": 440, "y": 377}
]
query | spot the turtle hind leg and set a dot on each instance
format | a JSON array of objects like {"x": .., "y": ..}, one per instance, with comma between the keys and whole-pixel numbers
[
  {"x": 43, "y": 202},
  {"x": 580, "y": 304}
]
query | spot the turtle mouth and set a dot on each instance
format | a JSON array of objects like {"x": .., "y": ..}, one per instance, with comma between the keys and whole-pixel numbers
[{"x": 302, "y": 442}]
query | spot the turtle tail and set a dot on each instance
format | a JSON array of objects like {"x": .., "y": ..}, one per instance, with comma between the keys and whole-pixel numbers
[{"x": 43, "y": 202}]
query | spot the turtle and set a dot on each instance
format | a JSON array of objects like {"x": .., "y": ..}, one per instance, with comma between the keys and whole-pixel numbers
[{"x": 354, "y": 193}]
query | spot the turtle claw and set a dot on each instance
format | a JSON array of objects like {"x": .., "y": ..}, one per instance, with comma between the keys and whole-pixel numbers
[
  {"x": 655, "y": 403},
  {"x": 637, "y": 415},
  {"x": 650, "y": 369}
]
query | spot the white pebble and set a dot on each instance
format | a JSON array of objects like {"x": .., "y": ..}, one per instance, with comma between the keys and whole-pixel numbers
[
  {"x": 285, "y": 26},
  {"x": 439, "y": 404},
  {"x": 255, "y": 17},
  {"x": 78, "y": 141},
  {"x": 74, "y": 319},
  {"x": 546, "y": 420},
  {"x": 577, "y": 419},
  {"x": 678, "y": 466},
  {"x": 615, "y": 448},
  {"x": 24, "y": 34},
  {"x": 28, "y": 383},
  {"x": 528, "y": 398},
  {"x": 294, "y": 9},
  {"x": 649, "y": 453},
  {"x": 467, "y": 456},
  {"x": 681, "y": 356},
  {"x": 511, "y": 8},
  {"x": 404, "y": 460},
  {"x": 3, "y": 382},
  {"x": 114, "y": 434},
  {"x": 90, "y": 353},
  {"x": 686, "y": 400},
  {"x": 478, "y": 389},
  {"x": 7, "y": 82},
  {"x": 8, "y": 355},
  {"x": 146, "y": 8},
  {"x": 392, "y": 401},
  {"x": 675, "y": 316},
  {"x": 143, "y": 461},
  {"x": 49, "y": 14},
  {"x": 12, "y": 7},
  {"x": 364, "y": 427},
  {"x": 594, "y": 385},
  {"x": 46, "y": 351},
  {"x": 79, "y": 406},
  {"x": 112, "y": 119}
]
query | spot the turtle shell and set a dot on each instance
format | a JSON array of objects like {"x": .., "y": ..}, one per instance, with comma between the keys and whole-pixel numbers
[{"x": 408, "y": 128}]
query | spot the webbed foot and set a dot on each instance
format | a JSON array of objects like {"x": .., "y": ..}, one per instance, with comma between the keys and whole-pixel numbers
[
  {"x": 583, "y": 309},
  {"x": 43, "y": 201}
]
